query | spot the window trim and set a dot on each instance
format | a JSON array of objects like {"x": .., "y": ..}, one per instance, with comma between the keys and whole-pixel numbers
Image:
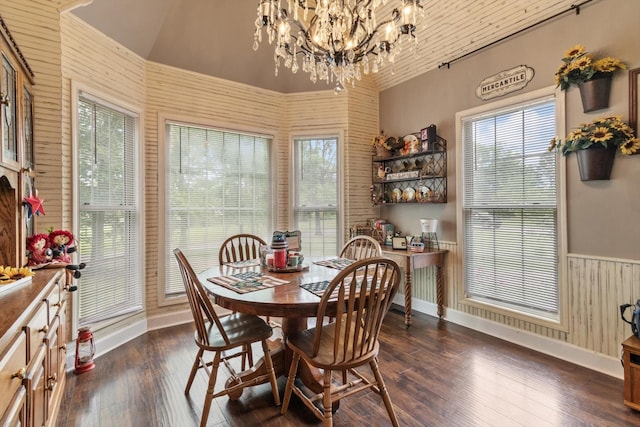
[
  {"x": 79, "y": 89},
  {"x": 321, "y": 134},
  {"x": 561, "y": 323},
  {"x": 165, "y": 118}
]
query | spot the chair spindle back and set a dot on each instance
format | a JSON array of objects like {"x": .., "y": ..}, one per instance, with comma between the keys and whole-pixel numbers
[
  {"x": 359, "y": 310},
  {"x": 201, "y": 306}
]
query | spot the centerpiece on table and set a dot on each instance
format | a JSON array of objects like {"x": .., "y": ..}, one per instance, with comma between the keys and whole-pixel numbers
[
  {"x": 595, "y": 145},
  {"x": 593, "y": 76}
]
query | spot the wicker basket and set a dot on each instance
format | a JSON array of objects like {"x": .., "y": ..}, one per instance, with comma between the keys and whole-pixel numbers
[{"x": 382, "y": 152}]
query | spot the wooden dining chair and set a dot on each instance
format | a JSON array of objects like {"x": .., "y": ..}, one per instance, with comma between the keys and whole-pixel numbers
[
  {"x": 358, "y": 297},
  {"x": 218, "y": 335},
  {"x": 361, "y": 247},
  {"x": 243, "y": 247},
  {"x": 240, "y": 247}
]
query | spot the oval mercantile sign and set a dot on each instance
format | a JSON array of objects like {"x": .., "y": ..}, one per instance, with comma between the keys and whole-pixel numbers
[{"x": 504, "y": 82}]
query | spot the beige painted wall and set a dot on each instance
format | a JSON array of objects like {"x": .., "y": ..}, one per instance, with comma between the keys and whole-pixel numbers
[
  {"x": 603, "y": 228},
  {"x": 602, "y": 215}
]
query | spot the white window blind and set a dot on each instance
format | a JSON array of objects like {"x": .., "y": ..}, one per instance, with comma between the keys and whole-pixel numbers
[
  {"x": 218, "y": 184},
  {"x": 316, "y": 194},
  {"x": 510, "y": 208},
  {"x": 111, "y": 284}
]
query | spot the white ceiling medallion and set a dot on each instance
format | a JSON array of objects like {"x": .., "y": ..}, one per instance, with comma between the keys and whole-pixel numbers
[{"x": 504, "y": 82}]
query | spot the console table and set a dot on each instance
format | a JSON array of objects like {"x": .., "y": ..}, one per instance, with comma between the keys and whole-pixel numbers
[{"x": 411, "y": 261}]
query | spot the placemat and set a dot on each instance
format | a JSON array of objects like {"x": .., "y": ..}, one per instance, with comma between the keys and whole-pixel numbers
[
  {"x": 319, "y": 288},
  {"x": 247, "y": 282},
  {"x": 316, "y": 288},
  {"x": 245, "y": 263},
  {"x": 337, "y": 263}
]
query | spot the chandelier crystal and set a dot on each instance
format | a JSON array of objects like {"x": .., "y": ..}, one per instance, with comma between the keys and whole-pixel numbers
[{"x": 336, "y": 40}]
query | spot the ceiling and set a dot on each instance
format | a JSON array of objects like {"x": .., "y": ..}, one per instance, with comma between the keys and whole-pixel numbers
[{"x": 215, "y": 37}]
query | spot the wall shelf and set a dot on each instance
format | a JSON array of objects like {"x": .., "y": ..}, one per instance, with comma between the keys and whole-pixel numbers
[{"x": 418, "y": 177}]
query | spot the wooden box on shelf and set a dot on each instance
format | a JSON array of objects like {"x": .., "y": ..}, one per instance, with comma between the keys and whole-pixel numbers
[{"x": 631, "y": 362}]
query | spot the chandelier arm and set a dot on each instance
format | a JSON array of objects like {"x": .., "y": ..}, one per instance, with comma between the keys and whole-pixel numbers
[{"x": 311, "y": 47}]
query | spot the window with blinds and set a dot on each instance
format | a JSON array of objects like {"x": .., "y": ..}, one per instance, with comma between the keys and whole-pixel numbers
[
  {"x": 218, "y": 184},
  {"x": 315, "y": 208},
  {"x": 109, "y": 212},
  {"x": 510, "y": 208}
]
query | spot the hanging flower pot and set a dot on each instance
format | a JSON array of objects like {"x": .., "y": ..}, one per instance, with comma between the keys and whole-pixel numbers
[
  {"x": 596, "y": 143},
  {"x": 593, "y": 76},
  {"x": 595, "y": 162},
  {"x": 595, "y": 93}
]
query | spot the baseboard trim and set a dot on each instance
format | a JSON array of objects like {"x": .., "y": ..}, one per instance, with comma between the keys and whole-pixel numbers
[
  {"x": 560, "y": 350},
  {"x": 169, "y": 319},
  {"x": 105, "y": 344}
]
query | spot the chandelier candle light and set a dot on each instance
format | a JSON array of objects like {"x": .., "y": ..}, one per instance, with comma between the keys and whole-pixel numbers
[{"x": 337, "y": 39}]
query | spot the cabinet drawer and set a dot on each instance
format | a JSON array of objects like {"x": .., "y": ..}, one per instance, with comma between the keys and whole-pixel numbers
[
  {"x": 12, "y": 369},
  {"x": 13, "y": 363},
  {"x": 54, "y": 300},
  {"x": 16, "y": 412},
  {"x": 36, "y": 329},
  {"x": 52, "y": 341},
  {"x": 35, "y": 382}
]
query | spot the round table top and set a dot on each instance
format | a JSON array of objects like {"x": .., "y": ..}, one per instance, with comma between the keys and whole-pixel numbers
[{"x": 288, "y": 300}]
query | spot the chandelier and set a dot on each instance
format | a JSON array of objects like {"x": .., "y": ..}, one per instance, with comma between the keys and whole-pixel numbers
[{"x": 336, "y": 40}]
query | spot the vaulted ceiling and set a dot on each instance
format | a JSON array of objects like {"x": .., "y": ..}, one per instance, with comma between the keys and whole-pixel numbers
[{"x": 215, "y": 37}]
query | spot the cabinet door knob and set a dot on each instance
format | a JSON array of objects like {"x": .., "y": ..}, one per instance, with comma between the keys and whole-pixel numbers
[
  {"x": 19, "y": 373},
  {"x": 45, "y": 329},
  {"x": 53, "y": 379}
]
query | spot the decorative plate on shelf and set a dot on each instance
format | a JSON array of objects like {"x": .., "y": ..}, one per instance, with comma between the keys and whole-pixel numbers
[
  {"x": 396, "y": 195},
  {"x": 409, "y": 194},
  {"x": 422, "y": 193}
]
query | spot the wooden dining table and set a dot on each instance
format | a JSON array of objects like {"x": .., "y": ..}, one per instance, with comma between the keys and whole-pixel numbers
[{"x": 288, "y": 301}]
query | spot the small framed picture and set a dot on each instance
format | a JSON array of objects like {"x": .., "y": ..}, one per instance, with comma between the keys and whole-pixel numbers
[{"x": 424, "y": 135}]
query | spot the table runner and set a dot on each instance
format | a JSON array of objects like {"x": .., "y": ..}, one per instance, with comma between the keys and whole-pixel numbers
[{"x": 247, "y": 282}]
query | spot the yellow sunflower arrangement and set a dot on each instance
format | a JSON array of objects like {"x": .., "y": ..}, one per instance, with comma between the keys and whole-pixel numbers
[
  {"x": 11, "y": 274},
  {"x": 579, "y": 66},
  {"x": 381, "y": 141},
  {"x": 606, "y": 131}
]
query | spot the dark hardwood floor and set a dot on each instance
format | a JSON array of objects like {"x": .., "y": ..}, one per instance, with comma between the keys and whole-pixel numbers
[{"x": 438, "y": 374}]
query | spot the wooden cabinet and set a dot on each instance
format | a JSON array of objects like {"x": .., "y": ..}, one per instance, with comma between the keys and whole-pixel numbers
[
  {"x": 631, "y": 362},
  {"x": 32, "y": 350},
  {"x": 420, "y": 177},
  {"x": 16, "y": 155},
  {"x": 13, "y": 370}
]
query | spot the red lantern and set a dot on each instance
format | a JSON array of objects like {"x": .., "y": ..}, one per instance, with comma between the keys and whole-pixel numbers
[{"x": 85, "y": 350}]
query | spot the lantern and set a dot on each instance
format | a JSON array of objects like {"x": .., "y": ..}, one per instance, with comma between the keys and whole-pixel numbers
[{"x": 85, "y": 350}]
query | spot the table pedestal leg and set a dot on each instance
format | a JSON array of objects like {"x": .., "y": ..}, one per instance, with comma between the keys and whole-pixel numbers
[{"x": 281, "y": 356}]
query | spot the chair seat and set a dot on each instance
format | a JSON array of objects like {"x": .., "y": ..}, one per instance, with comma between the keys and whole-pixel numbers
[
  {"x": 326, "y": 358},
  {"x": 240, "y": 329}
]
